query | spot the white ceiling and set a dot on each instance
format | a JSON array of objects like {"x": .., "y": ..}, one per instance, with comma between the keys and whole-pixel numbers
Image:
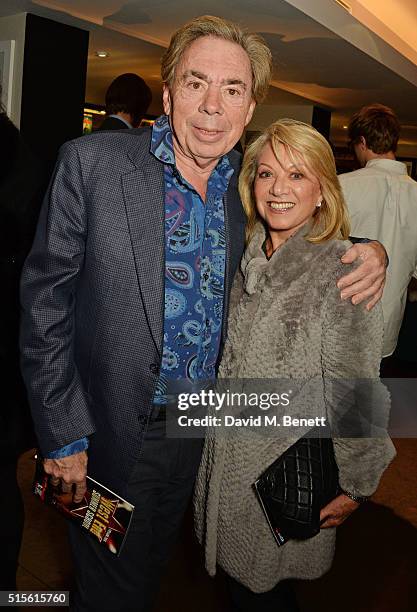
[{"x": 313, "y": 62}]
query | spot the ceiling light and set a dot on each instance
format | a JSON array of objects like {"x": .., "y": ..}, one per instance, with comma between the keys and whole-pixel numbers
[
  {"x": 102, "y": 54},
  {"x": 345, "y": 127}
]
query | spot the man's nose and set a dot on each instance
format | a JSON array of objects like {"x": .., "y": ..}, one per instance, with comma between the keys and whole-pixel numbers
[{"x": 212, "y": 102}]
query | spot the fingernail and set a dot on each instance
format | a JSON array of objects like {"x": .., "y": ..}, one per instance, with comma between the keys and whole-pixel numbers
[
  {"x": 355, "y": 300},
  {"x": 343, "y": 295}
]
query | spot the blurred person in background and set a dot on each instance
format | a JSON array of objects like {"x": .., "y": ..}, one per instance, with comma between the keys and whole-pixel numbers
[
  {"x": 127, "y": 100},
  {"x": 382, "y": 204},
  {"x": 21, "y": 190}
]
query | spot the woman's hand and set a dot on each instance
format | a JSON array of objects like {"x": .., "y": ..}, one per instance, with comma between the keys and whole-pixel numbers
[{"x": 337, "y": 511}]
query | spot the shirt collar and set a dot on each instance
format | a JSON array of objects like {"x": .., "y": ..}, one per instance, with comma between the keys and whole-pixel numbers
[
  {"x": 121, "y": 119},
  {"x": 163, "y": 149},
  {"x": 161, "y": 143},
  {"x": 389, "y": 165}
]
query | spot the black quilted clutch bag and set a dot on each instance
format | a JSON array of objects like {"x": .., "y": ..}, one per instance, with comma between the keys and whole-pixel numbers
[{"x": 294, "y": 489}]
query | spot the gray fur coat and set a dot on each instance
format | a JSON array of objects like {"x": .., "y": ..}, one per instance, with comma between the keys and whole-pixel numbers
[{"x": 286, "y": 320}]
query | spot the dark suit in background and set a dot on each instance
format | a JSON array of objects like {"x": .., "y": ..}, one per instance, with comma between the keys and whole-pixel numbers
[
  {"x": 113, "y": 123},
  {"x": 21, "y": 187}
]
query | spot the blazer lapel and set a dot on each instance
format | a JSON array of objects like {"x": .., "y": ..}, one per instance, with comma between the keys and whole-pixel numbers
[
  {"x": 144, "y": 195},
  {"x": 143, "y": 191},
  {"x": 234, "y": 220}
]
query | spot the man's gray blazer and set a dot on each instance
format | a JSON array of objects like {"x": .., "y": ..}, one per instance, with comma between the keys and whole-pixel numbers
[{"x": 93, "y": 298}]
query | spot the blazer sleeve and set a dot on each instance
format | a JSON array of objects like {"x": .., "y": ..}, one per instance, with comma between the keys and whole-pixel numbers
[
  {"x": 59, "y": 402},
  {"x": 357, "y": 403}
]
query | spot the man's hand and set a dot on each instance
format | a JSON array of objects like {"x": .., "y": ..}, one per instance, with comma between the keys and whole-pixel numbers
[
  {"x": 368, "y": 280},
  {"x": 337, "y": 511},
  {"x": 69, "y": 471}
]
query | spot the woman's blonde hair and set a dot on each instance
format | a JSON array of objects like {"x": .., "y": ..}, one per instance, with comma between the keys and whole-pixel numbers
[
  {"x": 259, "y": 54},
  {"x": 304, "y": 142}
]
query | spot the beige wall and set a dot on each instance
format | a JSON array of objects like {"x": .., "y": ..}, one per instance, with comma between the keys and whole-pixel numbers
[
  {"x": 265, "y": 114},
  {"x": 13, "y": 28}
]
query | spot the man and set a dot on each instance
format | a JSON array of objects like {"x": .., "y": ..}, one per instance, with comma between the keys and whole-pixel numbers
[
  {"x": 127, "y": 100},
  {"x": 382, "y": 201},
  {"x": 134, "y": 220}
]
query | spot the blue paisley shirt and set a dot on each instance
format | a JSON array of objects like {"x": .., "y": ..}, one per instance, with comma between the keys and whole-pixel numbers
[{"x": 195, "y": 251}]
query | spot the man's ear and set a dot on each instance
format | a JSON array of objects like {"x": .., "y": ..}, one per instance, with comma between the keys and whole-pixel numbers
[
  {"x": 166, "y": 99},
  {"x": 362, "y": 143},
  {"x": 249, "y": 114}
]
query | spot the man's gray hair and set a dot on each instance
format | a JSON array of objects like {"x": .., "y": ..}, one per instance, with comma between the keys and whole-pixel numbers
[{"x": 258, "y": 52}]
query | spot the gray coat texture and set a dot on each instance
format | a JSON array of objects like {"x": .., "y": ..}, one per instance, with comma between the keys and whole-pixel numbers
[{"x": 287, "y": 321}]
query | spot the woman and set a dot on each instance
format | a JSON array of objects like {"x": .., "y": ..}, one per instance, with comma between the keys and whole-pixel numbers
[{"x": 287, "y": 321}]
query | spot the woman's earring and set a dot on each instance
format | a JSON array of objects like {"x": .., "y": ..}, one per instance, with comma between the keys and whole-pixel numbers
[{"x": 319, "y": 204}]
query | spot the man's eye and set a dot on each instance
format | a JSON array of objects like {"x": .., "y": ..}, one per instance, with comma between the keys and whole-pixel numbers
[
  {"x": 233, "y": 92},
  {"x": 196, "y": 85}
]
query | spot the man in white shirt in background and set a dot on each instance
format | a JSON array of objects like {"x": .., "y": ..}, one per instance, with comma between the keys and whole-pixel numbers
[{"x": 382, "y": 202}]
